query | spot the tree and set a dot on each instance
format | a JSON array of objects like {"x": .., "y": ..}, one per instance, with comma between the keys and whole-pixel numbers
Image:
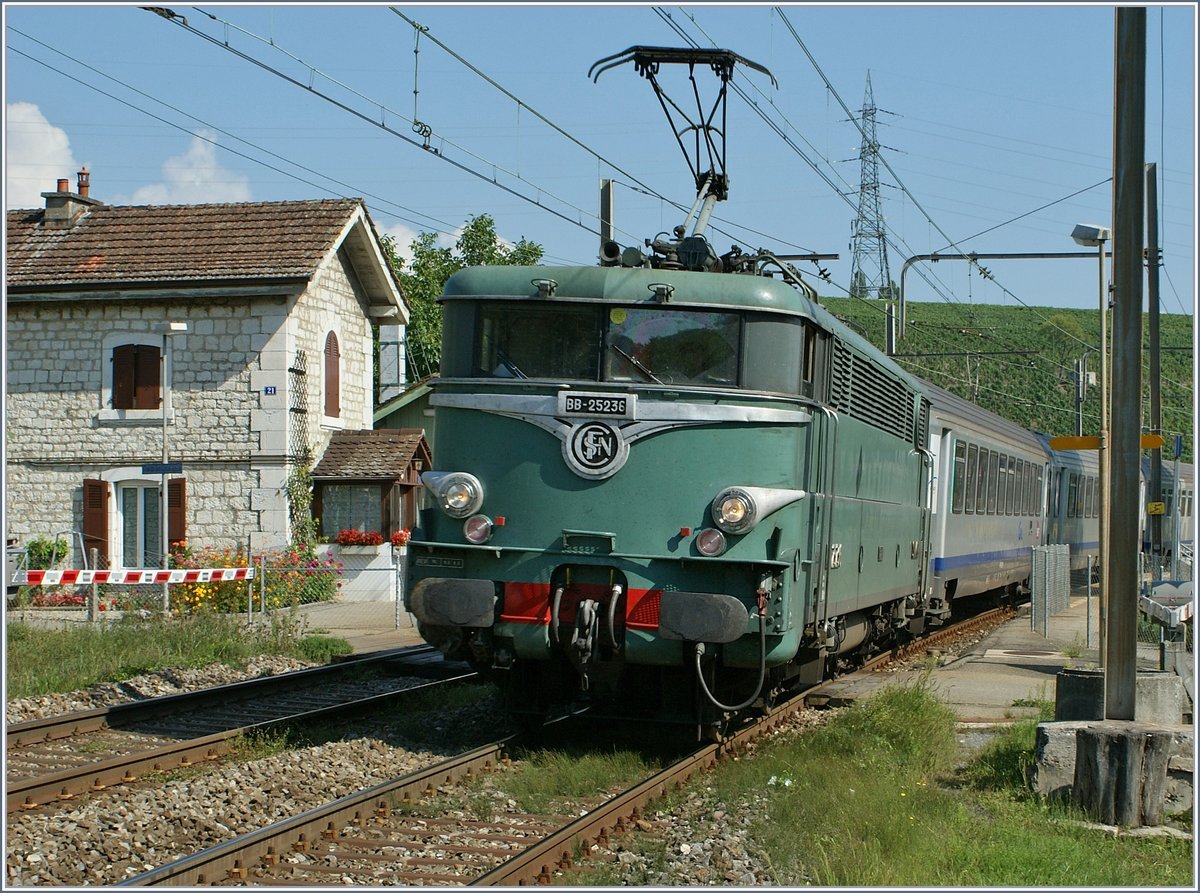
[{"x": 425, "y": 275}]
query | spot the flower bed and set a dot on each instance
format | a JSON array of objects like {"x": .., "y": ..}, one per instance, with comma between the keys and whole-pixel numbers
[{"x": 293, "y": 576}]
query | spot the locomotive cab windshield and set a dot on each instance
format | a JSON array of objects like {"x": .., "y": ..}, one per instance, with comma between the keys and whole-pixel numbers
[{"x": 630, "y": 345}]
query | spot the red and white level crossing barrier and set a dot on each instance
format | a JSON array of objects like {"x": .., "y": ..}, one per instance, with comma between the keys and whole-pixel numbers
[{"x": 129, "y": 577}]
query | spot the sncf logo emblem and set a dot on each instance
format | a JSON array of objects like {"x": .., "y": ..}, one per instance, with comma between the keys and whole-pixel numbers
[{"x": 595, "y": 450}]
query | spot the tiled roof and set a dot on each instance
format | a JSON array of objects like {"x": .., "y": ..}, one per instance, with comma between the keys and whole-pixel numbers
[
  {"x": 175, "y": 243},
  {"x": 376, "y": 453}
]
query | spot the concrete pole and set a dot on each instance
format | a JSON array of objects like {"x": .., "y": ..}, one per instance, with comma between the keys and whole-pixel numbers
[
  {"x": 1155, "y": 483},
  {"x": 164, "y": 560},
  {"x": 1102, "y": 497},
  {"x": 1129, "y": 134}
]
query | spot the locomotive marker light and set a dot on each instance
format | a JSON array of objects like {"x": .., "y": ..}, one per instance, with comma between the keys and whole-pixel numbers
[
  {"x": 711, "y": 542},
  {"x": 478, "y": 529}
]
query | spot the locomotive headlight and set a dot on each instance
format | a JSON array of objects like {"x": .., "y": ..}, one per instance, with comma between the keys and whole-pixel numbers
[
  {"x": 458, "y": 493},
  {"x": 737, "y": 509},
  {"x": 478, "y": 529},
  {"x": 734, "y": 510}
]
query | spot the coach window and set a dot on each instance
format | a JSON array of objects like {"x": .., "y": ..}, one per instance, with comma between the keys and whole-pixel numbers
[
  {"x": 960, "y": 475},
  {"x": 1012, "y": 506},
  {"x": 1021, "y": 489},
  {"x": 1073, "y": 496},
  {"x": 993, "y": 481},
  {"x": 972, "y": 477},
  {"x": 1002, "y": 485},
  {"x": 981, "y": 491}
]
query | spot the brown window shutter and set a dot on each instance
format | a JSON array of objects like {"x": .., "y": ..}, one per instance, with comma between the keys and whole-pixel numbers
[
  {"x": 176, "y": 510},
  {"x": 95, "y": 520},
  {"x": 122, "y": 376},
  {"x": 147, "y": 372},
  {"x": 333, "y": 403}
]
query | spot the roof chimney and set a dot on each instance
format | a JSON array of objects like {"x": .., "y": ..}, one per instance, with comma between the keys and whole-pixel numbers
[{"x": 64, "y": 207}]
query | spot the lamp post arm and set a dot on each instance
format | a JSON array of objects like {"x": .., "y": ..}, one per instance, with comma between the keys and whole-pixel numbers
[{"x": 974, "y": 256}]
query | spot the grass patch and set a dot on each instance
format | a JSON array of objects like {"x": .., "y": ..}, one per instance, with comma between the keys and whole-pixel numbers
[
  {"x": 43, "y": 661},
  {"x": 322, "y": 648},
  {"x": 880, "y": 797},
  {"x": 549, "y": 778}
]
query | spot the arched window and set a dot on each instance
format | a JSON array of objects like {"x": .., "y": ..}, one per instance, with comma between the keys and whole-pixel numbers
[{"x": 333, "y": 378}]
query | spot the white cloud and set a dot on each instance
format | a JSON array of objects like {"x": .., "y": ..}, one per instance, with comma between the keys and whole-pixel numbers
[
  {"x": 404, "y": 236},
  {"x": 195, "y": 177},
  {"x": 37, "y": 155}
]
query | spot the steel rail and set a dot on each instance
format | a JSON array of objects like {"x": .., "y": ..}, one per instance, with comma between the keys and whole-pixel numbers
[
  {"x": 64, "y": 785},
  {"x": 534, "y": 864},
  {"x": 66, "y": 725},
  {"x": 232, "y": 858}
]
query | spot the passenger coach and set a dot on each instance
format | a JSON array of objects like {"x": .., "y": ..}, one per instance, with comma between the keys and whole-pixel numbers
[{"x": 988, "y": 499}]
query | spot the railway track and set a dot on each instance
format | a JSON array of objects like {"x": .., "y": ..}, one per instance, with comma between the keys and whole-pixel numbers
[
  {"x": 57, "y": 759},
  {"x": 377, "y": 836}
]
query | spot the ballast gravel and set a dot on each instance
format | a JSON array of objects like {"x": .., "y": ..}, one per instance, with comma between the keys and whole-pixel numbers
[
  {"x": 170, "y": 681},
  {"x": 114, "y": 835}
]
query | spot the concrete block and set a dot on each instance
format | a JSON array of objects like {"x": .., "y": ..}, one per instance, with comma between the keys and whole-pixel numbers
[
  {"x": 1052, "y": 773},
  {"x": 1159, "y": 697}
]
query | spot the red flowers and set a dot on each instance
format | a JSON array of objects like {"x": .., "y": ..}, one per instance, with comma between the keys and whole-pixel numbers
[
  {"x": 348, "y": 537},
  {"x": 400, "y": 537}
]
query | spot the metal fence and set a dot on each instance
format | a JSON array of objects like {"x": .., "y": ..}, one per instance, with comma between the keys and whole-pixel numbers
[{"x": 1050, "y": 585}]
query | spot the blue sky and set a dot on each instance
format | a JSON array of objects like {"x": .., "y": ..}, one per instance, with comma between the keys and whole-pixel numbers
[{"x": 994, "y": 120}]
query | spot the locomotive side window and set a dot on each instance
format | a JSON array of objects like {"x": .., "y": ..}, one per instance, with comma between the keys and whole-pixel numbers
[
  {"x": 537, "y": 341},
  {"x": 671, "y": 346},
  {"x": 960, "y": 477}
]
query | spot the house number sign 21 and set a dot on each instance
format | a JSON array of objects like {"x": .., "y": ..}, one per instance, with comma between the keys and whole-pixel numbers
[{"x": 269, "y": 390}]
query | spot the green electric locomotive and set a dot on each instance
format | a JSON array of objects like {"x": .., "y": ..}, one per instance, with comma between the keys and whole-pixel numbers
[
  {"x": 670, "y": 486},
  {"x": 663, "y": 492}
]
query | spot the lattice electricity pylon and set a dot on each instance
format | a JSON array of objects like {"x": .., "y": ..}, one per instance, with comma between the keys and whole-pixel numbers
[{"x": 869, "y": 273}]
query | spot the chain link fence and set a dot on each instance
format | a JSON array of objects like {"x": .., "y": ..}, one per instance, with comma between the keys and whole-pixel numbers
[{"x": 1050, "y": 585}]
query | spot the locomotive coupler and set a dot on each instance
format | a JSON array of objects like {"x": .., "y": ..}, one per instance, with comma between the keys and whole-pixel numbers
[{"x": 582, "y": 646}]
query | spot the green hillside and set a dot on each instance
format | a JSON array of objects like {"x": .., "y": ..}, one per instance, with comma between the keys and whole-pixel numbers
[{"x": 1019, "y": 362}]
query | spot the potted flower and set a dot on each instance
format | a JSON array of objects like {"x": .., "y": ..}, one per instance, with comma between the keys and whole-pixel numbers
[
  {"x": 400, "y": 538},
  {"x": 360, "y": 542}
]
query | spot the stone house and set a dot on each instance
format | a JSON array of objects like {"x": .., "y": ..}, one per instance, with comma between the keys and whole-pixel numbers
[{"x": 256, "y": 316}]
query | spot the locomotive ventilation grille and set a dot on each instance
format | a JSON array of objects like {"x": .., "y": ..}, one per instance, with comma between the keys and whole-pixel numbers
[{"x": 862, "y": 390}]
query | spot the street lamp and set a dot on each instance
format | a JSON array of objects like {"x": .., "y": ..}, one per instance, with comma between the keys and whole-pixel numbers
[
  {"x": 167, "y": 330},
  {"x": 1095, "y": 237}
]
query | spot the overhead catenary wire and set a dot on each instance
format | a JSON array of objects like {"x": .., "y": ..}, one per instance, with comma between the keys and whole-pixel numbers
[
  {"x": 445, "y": 227},
  {"x": 920, "y": 271},
  {"x": 382, "y": 124}
]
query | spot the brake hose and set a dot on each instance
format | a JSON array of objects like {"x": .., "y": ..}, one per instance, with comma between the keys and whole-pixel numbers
[{"x": 762, "y": 661}]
